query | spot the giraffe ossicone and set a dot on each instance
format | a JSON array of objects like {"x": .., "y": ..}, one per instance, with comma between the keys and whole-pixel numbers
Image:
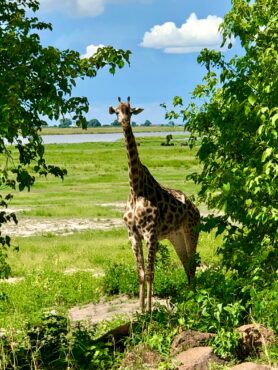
[{"x": 154, "y": 212}]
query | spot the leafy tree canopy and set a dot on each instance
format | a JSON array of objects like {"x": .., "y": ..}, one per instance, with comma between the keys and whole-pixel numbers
[
  {"x": 36, "y": 84},
  {"x": 235, "y": 131},
  {"x": 147, "y": 123},
  {"x": 115, "y": 123},
  {"x": 65, "y": 122},
  {"x": 94, "y": 123}
]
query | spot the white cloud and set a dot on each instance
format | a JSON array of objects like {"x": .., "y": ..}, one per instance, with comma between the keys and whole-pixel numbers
[
  {"x": 194, "y": 35},
  {"x": 91, "y": 50},
  {"x": 81, "y": 8}
]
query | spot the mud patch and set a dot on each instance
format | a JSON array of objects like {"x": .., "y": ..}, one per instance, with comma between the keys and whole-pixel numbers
[{"x": 29, "y": 226}]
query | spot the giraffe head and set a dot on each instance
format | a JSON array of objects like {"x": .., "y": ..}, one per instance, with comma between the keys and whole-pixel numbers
[{"x": 124, "y": 112}]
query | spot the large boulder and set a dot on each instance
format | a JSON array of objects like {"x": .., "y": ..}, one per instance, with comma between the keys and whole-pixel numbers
[
  {"x": 198, "y": 358},
  {"x": 251, "y": 366},
  {"x": 254, "y": 337},
  {"x": 189, "y": 339}
]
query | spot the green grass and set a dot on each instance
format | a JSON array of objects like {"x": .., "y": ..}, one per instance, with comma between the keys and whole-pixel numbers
[
  {"x": 44, "y": 290},
  {"x": 44, "y": 261},
  {"x": 97, "y": 174},
  {"x": 86, "y": 250}
]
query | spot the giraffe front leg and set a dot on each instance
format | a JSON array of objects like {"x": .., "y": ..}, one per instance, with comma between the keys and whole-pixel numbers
[
  {"x": 152, "y": 246},
  {"x": 136, "y": 243}
]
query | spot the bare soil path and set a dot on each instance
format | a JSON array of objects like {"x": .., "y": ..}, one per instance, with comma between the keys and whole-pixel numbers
[
  {"x": 61, "y": 226},
  {"x": 32, "y": 226},
  {"x": 106, "y": 310}
]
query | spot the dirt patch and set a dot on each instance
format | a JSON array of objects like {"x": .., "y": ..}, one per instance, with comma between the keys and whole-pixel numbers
[
  {"x": 12, "y": 280},
  {"x": 94, "y": 313},
  {"x": 30, "y": 226},
  {"x": 38, "y": 226}
]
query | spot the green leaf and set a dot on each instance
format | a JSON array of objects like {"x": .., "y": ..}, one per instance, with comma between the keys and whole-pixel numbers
[
  {"x": 248, "y": 202},
  {"x": 177, "y": 101},
  {"x": 252, "y": 99},
  {"x": 266, "y": 154},
  {"x": 274, "y": 119},
  {"x": 226, "y": 187}
]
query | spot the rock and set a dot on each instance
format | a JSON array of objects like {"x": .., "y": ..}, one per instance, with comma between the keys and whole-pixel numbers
[
  {"x": 253, "y": 338},
  {"x": 251, "y": 366},
  {"x": 189, "y": 339},
  {"x": 117, "y": 334},
  {"x": 198, "y": 358}
]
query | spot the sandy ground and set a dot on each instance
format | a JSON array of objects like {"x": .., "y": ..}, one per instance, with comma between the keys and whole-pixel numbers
[
  {"x": 30, "y": 226},
  {"x": 38, "y": 226},
  {"x": 94, "y": 313}
]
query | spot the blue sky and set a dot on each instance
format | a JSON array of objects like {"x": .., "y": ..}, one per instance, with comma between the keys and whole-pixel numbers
[{"x": 164, "y": 37}]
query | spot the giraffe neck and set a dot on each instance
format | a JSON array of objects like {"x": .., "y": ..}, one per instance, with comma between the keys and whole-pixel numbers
[{"x": 134, "y": 164}]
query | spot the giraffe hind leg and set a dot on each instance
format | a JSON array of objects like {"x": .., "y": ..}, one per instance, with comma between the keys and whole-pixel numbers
[
  {"x": 185, "y": 243},
  {"x": 191, "y": 238},
  {"x": 178, "y": 241}
]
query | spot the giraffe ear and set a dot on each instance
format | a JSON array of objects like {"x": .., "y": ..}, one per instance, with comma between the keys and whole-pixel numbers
[
  {"x": 112, "y": 110},
  {"x": 136, "y": 110}
]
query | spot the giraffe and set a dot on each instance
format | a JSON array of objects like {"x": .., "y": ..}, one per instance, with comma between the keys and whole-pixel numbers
[{"x": 154, "y": 212}]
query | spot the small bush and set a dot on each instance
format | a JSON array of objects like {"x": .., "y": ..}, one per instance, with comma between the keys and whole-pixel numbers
[
  {"x": 264, "y": 306},
  {"x": 202, "y": 311},
  {"x": 5, "y": 268},
  {"x": 169, "y": 280},
  {"x": 120, "y": 279},
  {"x": 225, "y": 344},
  {"x": 54, "y": 345}
]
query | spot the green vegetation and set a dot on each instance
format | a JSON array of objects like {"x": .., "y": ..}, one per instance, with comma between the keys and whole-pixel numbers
[{"x": 235, "y": 131}]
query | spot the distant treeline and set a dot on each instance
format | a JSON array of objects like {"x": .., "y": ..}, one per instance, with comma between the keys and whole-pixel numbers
[{"x": 67, "y": 122}]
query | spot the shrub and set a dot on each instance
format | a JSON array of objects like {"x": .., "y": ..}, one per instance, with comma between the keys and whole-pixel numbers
[
  {"x": 264, "y": 306},
  {"x": 120, "y": 279},
  {"x": 169, "y": 280},
  {"x": 54, "y": 345}
]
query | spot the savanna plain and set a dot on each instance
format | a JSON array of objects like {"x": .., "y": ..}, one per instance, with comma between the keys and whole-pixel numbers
[{"x": 64, "y": 269}]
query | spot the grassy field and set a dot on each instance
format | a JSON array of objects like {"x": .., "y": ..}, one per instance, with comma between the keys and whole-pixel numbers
[
  {"x": 97, "y": 176},
  {"x": 107, "y": 129}
]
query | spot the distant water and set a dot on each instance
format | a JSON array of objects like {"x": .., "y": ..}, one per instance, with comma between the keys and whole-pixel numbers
[{"x": 108, "y": 137}]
